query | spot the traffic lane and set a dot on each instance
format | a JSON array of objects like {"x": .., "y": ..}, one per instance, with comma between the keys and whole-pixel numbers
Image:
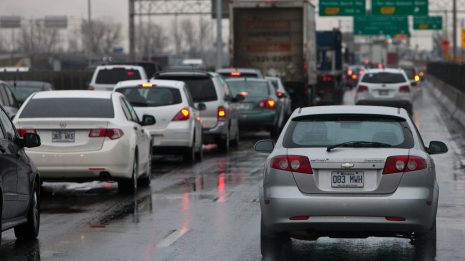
[{"x": 74, "y": 213}]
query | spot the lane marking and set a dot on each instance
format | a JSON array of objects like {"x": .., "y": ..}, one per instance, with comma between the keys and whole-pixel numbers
[{"x": 172, "y": 237}]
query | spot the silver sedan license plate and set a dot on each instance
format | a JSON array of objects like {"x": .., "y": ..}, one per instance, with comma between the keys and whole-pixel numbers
[
  {"x": 63, "y": 136},
  {"x": 347, "y": 179}
]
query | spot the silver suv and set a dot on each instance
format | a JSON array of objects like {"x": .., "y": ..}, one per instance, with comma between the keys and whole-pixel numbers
[{"x": 209, "y": 90}]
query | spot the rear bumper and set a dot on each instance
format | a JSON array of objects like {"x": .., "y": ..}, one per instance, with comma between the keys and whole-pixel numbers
[
  {"x": 254, "y": 121},
  {"x": 220, "y": 130},
  {"x": 406, "y": 104},
  {"x": 171, "y": 138},
  {"x": 114, "y": 158},
  {"x": 336, "y": 215}
]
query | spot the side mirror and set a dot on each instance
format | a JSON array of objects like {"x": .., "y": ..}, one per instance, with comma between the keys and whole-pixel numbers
[
  {"x": 239, "y": 98},
  {"x": 31, "y": 140},
  {"x": 413, "y": 83},
  {"x": 148, "y": 120},
  {"x": 265, "y": 146},
  {"x": 437, "y": 147},
  {"x": 202, "y": 107}
]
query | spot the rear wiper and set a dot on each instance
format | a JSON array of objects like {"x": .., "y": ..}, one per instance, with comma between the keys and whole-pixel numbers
[{"x": 359, "y": 144}]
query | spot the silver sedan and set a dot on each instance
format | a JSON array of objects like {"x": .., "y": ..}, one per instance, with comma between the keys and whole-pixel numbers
[{"x": 348, "y": 172}]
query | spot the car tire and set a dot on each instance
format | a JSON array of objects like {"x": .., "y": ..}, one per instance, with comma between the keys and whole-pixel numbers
[
  {"x": 189, "y": 155},
  {"x": 426, "y": 236},
  {"x": 235, "y": 142},
  {"x": 272, "y": 245},
  {"x": 274, "y": 132},
  {"x": 145, "y": 180},
  {"x": 224, "y": 143},
  {"x": 129, "y": 186},
  {"x": 30, "y": 229}
]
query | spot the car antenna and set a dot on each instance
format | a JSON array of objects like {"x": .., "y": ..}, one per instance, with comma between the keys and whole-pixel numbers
[
  {"x": 300, "y": 110},
  {"x": 398, "y": 110}
]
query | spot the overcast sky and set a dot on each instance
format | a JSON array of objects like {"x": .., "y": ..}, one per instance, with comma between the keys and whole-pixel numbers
[{"x": 117, "y": 10}]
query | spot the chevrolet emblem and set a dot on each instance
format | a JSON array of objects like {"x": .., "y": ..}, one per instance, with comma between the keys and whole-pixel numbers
[{"x": 347, "y": 165}]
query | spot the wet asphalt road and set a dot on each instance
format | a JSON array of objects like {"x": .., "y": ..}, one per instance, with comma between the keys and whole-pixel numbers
[{"x": 210, "y": 211}]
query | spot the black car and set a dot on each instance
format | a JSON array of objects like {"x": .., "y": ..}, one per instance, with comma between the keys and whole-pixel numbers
[
  {"x": 19, "y": 181},
  {"x": 23, "y": 89},
  {"x": 8, "y": 100}
]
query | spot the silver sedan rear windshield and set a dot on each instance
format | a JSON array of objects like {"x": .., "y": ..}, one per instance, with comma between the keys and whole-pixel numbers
[
  {"x": 151, "y": 97},
  {"x": 68, "y": 108},
  {"x": 328, "y": 130}
]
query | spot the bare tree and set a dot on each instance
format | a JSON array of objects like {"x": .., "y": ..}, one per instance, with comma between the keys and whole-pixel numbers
[
  {"x": 37, "y": 39},
  {"x": 189, "y": 36},
  {"x": 151, "y": 39},
  {"x": 176, "y": 36},
  {"x": 100, "y": 36}
]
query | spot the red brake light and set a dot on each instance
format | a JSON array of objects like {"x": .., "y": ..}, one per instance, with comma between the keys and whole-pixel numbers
[
  {"x": 293, "y": 163},
  {"x": 399, "y": 164},
  {"x": 362, "y": 88},
  {"x": 404, "y": 89},
  {"x": 221, "y": 113},
  {"x": 182, "y": 115},
  {"x": 349, "y": 72},
  {"x": 354, "y": 76},
  {"x": 280, "y": 94},
  {"x": 267, "y": 104},
  {"x": 131, "y": 73},
  {"x": 236, "y": 74},
  {"x": 22, "y": 132},
  {"x": 326, "y": 78},
  {"x": 112, "y": 134}
]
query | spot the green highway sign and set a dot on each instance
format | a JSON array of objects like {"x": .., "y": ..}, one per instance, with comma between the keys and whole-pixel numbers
[
  {"x": 342, "y": 7},
  {"x": 399, "y": 7},
  {"x": 380, "y": 25},
  {"x": 427, "y": 22}
]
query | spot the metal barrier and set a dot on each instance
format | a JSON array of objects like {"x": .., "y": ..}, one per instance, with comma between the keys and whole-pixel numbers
[
  {"x": 450, "y": 73},
  {"x": 64, "y": 80}
]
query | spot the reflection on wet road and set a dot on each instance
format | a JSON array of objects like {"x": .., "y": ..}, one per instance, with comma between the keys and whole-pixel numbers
[{"x": 210, "y": 211}]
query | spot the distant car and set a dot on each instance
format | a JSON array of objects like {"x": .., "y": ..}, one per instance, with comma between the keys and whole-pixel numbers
[
  {"x": 385, "y": 87},
  {"x": 220, "y": 120},
  {"x": 283, "y": 96},
  {"x": 178, "y": 129},
  {"x": 353, "y": 75},
  {"x": 150, "y": 68},
  {"x": 105, "y": 77},
  {"x": 329, "y": 90},
  {"x": 8, "y": 100},
  {"x": 87, "y": 135},
  {"x": 193, "y": 62},
  {"x": 411, "y": 73},
  {"x": 260, "y": 109},
  {"x": 20, "y": 186},
  {"x": 240, "y": 73},
  {"x": 23, "y": 89},
  {"x": 348, "y": 171}
]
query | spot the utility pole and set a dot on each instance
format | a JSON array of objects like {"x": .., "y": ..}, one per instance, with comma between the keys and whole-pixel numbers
[
  {"x": 90, "y": 31},
  {"x": 132, "y": 36},
  {"x": 454, "y": 30},
  {"x": 219, "y": 35}
]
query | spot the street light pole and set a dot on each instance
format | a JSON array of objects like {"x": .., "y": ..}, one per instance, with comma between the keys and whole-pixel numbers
[
  {"x": 219, "y": 35},
  {"x": 454, "y": 26}
]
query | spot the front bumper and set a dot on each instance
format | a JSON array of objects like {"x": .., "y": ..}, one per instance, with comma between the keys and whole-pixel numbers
[{"x": 349, "y": 214}]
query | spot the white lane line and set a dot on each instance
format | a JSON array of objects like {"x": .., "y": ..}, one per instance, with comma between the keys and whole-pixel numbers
[{"x": 171, "y": 238}]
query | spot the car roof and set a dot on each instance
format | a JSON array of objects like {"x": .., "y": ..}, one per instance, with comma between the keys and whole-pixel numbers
[
  {"x": 246, "y": 79},
  {"x": 352, "y": 109},
  {"x": 388, "y": 70},
  {"x": 156, "y": 82},
  {"x": 185, "y": 72},
  {"x": 244, "y": 70},
  {"x": 125, "y": 66},
  {"x": 73, "y": 94}
]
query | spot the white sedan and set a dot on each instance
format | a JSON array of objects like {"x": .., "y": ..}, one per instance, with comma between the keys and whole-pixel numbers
[
  {"x": 178, "y": 129},
  {"x": 87, "y": 135}
]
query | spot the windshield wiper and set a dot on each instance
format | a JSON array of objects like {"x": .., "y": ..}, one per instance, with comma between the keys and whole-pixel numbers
[{"x": 359, "y": 144}]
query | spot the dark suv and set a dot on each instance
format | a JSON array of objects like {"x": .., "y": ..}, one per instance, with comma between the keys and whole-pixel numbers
[
  {"x": 8, "y": 100},
  {"x": 19, "y": 181},
  {"x": 220, "y": 122}
]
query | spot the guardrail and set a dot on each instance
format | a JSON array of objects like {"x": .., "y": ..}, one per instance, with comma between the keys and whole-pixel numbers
[
  {"x": 64, "y": 80},
  {"x": 447, "y": 82}
]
